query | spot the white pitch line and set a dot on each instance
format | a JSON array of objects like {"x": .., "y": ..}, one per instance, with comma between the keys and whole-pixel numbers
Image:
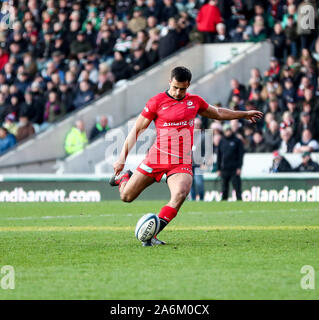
[{"x": 132, "y": 214}]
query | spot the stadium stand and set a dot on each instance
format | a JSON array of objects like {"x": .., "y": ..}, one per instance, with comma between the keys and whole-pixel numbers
[{"x": 56, "y": 57}]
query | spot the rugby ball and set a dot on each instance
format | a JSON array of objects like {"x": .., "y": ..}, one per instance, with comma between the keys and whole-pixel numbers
[{"x": 147, "y": 227}]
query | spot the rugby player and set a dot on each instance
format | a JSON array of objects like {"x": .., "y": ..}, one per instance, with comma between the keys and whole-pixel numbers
[{"x": 173, "y": 112}]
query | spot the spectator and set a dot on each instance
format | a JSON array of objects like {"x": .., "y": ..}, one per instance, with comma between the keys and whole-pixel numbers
[
  {"x": 287, "y": 140},
  {"x": 289, "y": 91},
  {"x": 10, "y": 124},
  {"x": 76, "y": 139},
  {"x": 168, "y": 11},
  {"x": 278, "y": 39},
  {"x": 272, "y": 136},
  {"x": 307, "y": 164},
  {"x": 66, "y": 94},
  {"x": 3, "y": 107},
  {"x": 221, "y": 35},
  {"x": 280, "y": 163},
  {"x": 259, "y": 144},
  {"x": 4, "y": 56},
  {"x": 7, "y": 140},
  {"x": 274, "y": 109},
  {"x": 306, "y": 123},
  {"x": 30, "y": 109},
  {"x": 169, "y": 43},
  {"x": 80, "y": 46},
  {"x": 236, "y": 89},
  {"x": 229, "y": 162},
  {"x": 83, "y": 95},
  {"x": 291, "y": 36},
  {"x": 207, "y": 19},
  {"x": 101, "y": 127},
  {"x": 120, "y": 68},
  {"x": 258, "y": 33},
  {"x": 139, "y": 60},
  {"x": 138, "y": 22},
  {"x": 106, "y": 45},
  {"x": 152, "y": 9},
  {"x": 153, "y": 53},
  {"x": 306, "y": 144},
  {"x": 105, "y": 79},
  {"x": 53, "y": 108},
  {"x": 25, "y": 128}
]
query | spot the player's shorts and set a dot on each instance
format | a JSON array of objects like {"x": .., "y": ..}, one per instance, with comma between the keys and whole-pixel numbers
[{"x": 157, "y": 171}]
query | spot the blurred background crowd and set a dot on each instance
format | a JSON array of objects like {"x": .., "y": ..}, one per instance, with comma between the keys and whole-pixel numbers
[{"x": 58, "y": 56}]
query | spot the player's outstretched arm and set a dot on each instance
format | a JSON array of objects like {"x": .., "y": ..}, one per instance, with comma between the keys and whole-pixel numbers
[
  {"x": 141, "y": 124},
  {"x": 227, "y": 114}
]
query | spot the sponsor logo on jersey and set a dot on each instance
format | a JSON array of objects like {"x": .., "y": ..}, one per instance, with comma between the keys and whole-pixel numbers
[
  {"x": 146, "y": 168},
  {"x": 175, "y": 124},
  {"x": 187, "y": 169},
  {"x": 189, "y": 103}
]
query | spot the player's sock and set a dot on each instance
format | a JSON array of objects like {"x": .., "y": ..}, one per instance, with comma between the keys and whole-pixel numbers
[{"x": 166, "y": 215}]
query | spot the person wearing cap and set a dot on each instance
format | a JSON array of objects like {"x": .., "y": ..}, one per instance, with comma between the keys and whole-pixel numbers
[
  {"x": 306, "y": 122},
  {"x": 289, "y": 89},
  {"x": 307, "y": 164},
  {"x": 229, "y": 162},
  {"x": 10, "y": 124},
  {"x": 279, "y": 163},
  {"x": 274, "y": 67}
]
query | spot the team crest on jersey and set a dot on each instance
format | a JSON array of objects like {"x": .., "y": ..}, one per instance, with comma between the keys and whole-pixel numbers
[{"x": 191, "y": 122}]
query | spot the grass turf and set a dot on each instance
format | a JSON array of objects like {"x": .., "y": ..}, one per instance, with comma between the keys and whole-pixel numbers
[{"x": 214, "y": 251}]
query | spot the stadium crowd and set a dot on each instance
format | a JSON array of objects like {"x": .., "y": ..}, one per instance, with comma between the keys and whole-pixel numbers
[{"x": 58, "y": 56}]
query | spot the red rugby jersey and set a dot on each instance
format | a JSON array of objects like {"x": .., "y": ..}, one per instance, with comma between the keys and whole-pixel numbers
[{"x": 174, "y": 122}]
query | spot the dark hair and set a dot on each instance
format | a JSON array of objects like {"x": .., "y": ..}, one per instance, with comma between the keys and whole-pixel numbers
[{"x": 181, "y": 74}]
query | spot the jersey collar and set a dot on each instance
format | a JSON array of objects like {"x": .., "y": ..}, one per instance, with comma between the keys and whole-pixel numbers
[{"x": 174, "y": 98}]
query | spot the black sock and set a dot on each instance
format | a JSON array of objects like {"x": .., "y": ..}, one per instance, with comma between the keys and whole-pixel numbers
[{"x": 163, "y": 224}]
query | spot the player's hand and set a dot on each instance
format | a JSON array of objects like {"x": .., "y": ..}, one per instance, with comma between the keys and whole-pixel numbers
[
  {"x": 118, "y": 167},
  {"x": 238, "y": 172},
  {"x": 253, "y": 115},
  {"x": 218, "y": 173}
]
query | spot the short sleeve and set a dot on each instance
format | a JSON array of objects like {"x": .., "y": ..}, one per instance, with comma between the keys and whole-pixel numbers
[
  {"x": 150, "y": 109},
  {"x": 203, "y": 105}
]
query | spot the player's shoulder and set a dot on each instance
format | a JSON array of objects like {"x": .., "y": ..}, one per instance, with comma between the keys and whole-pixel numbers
[
  {"x": 158, "y": 98},
  {"x": 193, "y": 96}
]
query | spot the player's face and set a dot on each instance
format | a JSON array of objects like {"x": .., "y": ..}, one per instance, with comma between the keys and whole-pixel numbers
[{"x": 178, "y": 89}]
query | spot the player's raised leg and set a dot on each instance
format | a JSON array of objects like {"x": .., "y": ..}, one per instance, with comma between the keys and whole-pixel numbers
[
  {"x": 131, "y": 184},
  {"x": 132, "y": 188}
]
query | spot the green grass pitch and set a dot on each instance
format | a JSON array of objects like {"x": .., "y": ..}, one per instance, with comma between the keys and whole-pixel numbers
[{"x": 214, "y": 251}]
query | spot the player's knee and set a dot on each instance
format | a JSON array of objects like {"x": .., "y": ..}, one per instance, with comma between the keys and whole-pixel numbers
[{"x": 126, "y": 197}]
